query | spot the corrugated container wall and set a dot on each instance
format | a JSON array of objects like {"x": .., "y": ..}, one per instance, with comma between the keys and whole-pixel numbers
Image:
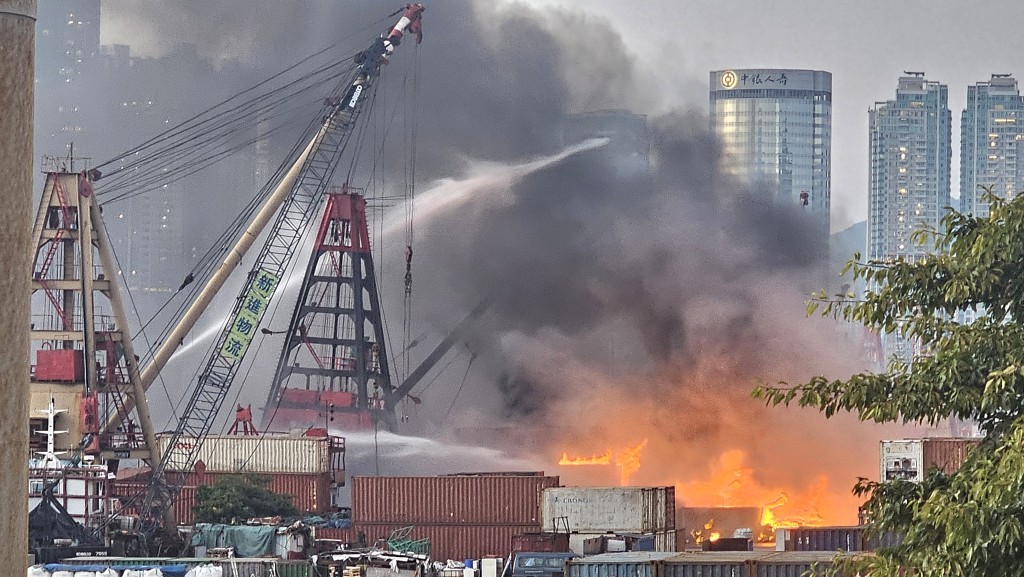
[
  {"x": 643, "y": 564},
  {"x": 456, "y": 542},
  {"x": 795, "y": 564},
  {"x": 310, "y": 493},
  {"x": 711, "y": 566},
  {"x": 661, "y": 541},
  {"x": 614, "y": 509},
  {"x": 268, "y": 454},
  {"x": 848, "y": 539},
  {"x": 455, "y": 500},
  {"x": 541, "y": 542},
  {"x": 911, "y": 459}
]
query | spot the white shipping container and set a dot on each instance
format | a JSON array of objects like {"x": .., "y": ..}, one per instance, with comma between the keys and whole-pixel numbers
[
  {"x": 911, "y": 459},
  {"x": 902, "y": 460},
  {"x": 268, "y": 454},
  {"x": 604, "y": 509}
]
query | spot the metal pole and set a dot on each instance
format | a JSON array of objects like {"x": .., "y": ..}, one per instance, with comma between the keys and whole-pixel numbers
[
  {"x": 17, "y": 70},
  {"x": 110, "y": 267}
]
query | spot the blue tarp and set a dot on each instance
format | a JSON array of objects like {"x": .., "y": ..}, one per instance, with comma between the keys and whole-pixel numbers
[{"x": 168, "y": 570}]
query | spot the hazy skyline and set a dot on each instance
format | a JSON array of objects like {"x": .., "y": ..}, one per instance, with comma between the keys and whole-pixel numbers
[{"x": 866, "y": 45}]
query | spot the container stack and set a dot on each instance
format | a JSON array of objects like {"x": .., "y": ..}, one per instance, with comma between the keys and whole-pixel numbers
[
  {"x": 468, "y": 516},
  {"x": 612, "y": 515},
  {"x": 306, "y": 467}
]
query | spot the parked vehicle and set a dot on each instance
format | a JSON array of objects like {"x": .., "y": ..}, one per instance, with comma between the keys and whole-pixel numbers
[{"x": 537, "y": 564}]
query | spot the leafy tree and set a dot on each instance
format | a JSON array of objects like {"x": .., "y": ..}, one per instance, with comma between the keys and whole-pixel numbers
[
  {"x": 970, "y": 522},
  {"x": 240, "y": 497}
]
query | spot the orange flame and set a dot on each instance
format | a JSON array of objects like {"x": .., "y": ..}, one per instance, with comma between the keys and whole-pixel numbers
[
  {"x": 733, "y": 484},
  {"x": 627, "y": 460},
  {"x": 605, "y": 459}
]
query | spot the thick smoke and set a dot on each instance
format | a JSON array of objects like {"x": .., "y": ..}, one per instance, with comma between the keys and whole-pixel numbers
[{"x": 624, "y": 304}]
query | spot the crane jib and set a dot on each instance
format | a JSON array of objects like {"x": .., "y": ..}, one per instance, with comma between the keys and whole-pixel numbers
[
  {"x": 355, "y": 95},
  {"x": 302, "y": 190}
]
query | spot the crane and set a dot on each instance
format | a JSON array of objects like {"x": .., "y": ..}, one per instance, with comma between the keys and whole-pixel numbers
[{"x": 294, "y": 201}]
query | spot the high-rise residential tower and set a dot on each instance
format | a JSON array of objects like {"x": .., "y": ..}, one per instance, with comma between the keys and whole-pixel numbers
[
  {"x": 991, "y": 133},
  {"x": 909, "y": 179},
  {"x": 775, "y": 128}
]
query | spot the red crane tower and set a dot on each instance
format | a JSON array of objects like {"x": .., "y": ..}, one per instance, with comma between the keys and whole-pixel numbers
[{"x": 333, "y": 369}]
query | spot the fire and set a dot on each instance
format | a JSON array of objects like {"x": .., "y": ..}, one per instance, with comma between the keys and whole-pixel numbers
[
  {"x": 707, "y": 533},
  {"x": 605, "y": 459},
  {"x": 627, "y": 460},
  {"x": 733, "y": 484}
]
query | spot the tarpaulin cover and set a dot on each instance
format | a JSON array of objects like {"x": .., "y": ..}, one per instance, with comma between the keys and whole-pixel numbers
[
  {"x": 167, "y": 570},
  {"x": 247, "y": 541},
  {"x": 50, "y": 520}
]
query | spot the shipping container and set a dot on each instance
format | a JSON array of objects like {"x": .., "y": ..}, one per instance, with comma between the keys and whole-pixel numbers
[
  {"x": 266, "y": 454},
  {"x": 887, "y": 539},
  {"x": 541, "y": 542},
  {"x": 456, "y": 542},
  {"x": 309, "y": 493},
  {"x": 702, "y": 564},
  {"x": 833, "y": 539},
  {"x": 794, "y": 564},
  {"x": 911, "y": 459},
  {"x": 455, "y": 499},
  {"x": 604, "y": 509},
  {"x": 709, "y": 564},
  {"x": 60, "y": 365},
  {"x": 346, "y": 535},
  {"x": 662, "y": 542},
  {"x": 638, "y": 564}
]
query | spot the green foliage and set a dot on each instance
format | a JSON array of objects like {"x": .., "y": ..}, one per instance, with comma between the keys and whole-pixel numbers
[
  {"x": 239, "y": 497},
  {"x": 971, "y": 522}
]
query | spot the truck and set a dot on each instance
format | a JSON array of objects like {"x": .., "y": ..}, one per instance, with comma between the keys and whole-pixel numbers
[{"x": 537, "y": 564}]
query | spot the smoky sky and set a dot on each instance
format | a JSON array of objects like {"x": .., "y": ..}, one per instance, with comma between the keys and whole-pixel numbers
[{"x": 664, "y": 294}]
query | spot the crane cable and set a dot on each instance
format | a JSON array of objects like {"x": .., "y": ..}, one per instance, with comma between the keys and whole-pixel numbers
[{"x": 410, "y": 122}]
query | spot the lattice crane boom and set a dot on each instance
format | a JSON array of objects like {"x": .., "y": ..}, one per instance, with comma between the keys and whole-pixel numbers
[{"x": 298, "y": 195}]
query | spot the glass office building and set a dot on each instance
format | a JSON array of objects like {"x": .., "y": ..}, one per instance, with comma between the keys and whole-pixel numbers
[
  {"x": 775, "y": 129},
  {"x": 909, "y": 173},
  {"x": 991, "y": 131}
]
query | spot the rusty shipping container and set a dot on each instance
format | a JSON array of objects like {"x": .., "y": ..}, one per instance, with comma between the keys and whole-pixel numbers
[
  {"x": 310, "y": 493},
  {"x": 452, "y": 500},
  {"x": 455, "y": 542},
  {"x": 911, "y": 459},
  {"x": 541, "y": 542},
  {"x": 266, "y": 454},
  {"x": 610, "y": 509}
]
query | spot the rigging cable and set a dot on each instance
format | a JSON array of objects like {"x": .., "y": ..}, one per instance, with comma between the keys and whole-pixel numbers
[
  {"x": 410, "y": 125},
  {"x": 459, "y": 392}
]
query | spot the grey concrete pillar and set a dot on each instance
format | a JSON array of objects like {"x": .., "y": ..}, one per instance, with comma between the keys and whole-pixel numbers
[{"x": 17, "y": 73}]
